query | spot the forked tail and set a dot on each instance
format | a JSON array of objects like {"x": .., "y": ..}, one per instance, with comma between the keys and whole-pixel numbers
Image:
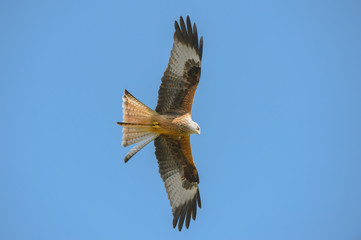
[{"x": 137, "y": 124}]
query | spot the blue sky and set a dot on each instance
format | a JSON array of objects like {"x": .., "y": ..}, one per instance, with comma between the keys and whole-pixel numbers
[{"x": 279, "y": 105}]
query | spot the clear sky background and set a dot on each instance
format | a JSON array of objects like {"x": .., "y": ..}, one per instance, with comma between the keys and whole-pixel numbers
[{"x": 279, "y": 104}]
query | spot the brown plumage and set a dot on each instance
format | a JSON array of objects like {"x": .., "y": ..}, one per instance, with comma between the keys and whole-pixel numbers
[{"x": 170, "y": 125}]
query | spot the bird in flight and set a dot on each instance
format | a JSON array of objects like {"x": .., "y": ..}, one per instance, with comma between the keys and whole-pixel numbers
[{"x": 171, "y": 125}]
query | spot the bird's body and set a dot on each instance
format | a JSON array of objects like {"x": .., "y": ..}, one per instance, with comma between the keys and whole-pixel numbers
[
  {"x": 174, "y": 125},
  {"x": 171, "y": 124}
]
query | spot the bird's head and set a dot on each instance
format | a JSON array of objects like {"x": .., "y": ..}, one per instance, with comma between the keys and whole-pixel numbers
[
  {"x": 189, "y": 125},
  {"x": 195, "y": 128}
]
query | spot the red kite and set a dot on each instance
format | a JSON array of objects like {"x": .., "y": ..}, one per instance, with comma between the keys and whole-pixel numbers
[{"x": 170, "y": 125}]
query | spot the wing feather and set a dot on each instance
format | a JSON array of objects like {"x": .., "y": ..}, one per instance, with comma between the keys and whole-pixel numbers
[
  {"x": 180, "y": 177},
  {"x": 181, "y": 77}
]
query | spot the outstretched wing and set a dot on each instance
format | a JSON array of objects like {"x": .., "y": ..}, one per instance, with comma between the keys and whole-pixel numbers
[
  {"x": 180, "y": 79},
  {"x": 180, "y": 176}
]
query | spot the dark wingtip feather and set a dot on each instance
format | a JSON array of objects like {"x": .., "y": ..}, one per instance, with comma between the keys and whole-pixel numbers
[
  {"x": 195, "y": 35},
  {"x": 182, "y": 216},
  {"x": 176, "y": 216},
  {"x": 188, "y": 35},
  {"x": 200, "y": 49},
  {"x": 184, "y": 30},
  {"x": 194, "y": 209},
  {"x": 186, "y": 212},
  {"x": 199, "y": 199},
  {"x": 178, "y": 32},
  {"x": 181, "y": 20},
  {"x": 189, "y": 213}
]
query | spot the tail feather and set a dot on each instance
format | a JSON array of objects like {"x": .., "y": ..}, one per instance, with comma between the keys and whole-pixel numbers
[
  {"x": 137, "y": 125},
  {"x": 135, "y": 137},
  {"x": 134, "y": 111},
  {"x": 139, "y": 147}
]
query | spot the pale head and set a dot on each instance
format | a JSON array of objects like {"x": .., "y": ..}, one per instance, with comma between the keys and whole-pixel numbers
[
  {"x": 194, "y": 127},
  {"x": 186, "y": 125}
]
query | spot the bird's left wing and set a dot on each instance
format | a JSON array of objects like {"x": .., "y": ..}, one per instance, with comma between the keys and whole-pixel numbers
[{"x": 180, "y": 176}]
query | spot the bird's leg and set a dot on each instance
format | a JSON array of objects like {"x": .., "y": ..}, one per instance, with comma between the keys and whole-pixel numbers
[{"x": 155, "y": 125}]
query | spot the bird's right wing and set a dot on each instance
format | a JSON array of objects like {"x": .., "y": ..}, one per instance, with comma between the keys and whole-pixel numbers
[{"x": 181, "y": 78}]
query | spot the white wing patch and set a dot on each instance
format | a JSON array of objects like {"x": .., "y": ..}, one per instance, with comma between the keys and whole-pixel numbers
[
  {"x": 179, "y": 55},
  {"x": 176, "y": 193}
]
